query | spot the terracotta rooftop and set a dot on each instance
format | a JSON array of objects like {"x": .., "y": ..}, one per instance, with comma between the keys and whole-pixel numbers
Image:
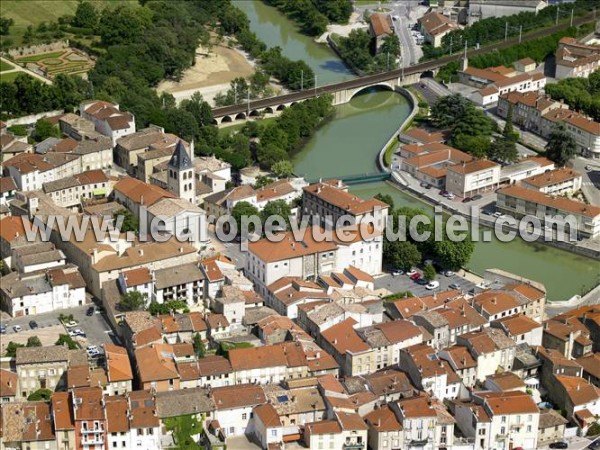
[
  {"x": 509, "y": 402},
  {"x": 117, "y": 363},
  {"x": 473, "y": 166},
  {"x": 267, "y": 415},
  {"x": 561, "y": 204},
  {"x": 8, "y": 383},
  {"x": 380, "y": 23},
  {"x": 347, "y": 202},
  {"x": 551, "y": 178},
  {"x": 238, "y": 396},
  {"x": 343, "y": 337},
  {"x": 580, "y": 391}
]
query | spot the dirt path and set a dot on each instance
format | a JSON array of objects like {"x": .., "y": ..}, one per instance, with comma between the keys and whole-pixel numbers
[{"x": 27, "y": 71}]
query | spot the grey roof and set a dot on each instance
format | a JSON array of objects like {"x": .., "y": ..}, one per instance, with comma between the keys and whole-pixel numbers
[
  {"x": 58, "y": 185},
  {"x": 173, "y": 276},
  {"x": 36, "y": 247},
  {"x": 255, "y": 315},
  {"x": 96, "y": 144},
  {"x": 42, "y": 257},
  {"x": 550, "y": 418},
  {"x": 14, "y": 286},
  {"x": 46, "y": 145},
  {"x": 32, "y": 355},
  {"x": 183, "y": 402},
  {"x": 170, "y": 207},
  {"x": 434, "y": 318},
  {"x": 180, "y": 159}
]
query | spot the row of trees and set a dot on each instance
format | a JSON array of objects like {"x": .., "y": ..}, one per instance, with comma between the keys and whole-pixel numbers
[
  {"x": 409, "y": 253},
  {"x": 493, "y": 29},
  {"x": 581, "y": 94},
  {"x": 358, "y": 50},
  {"x": 537, "y": 49},
  {"x": 314, "y": 15}
]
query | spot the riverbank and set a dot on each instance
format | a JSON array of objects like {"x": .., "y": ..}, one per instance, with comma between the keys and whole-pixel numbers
[{"x": 213, "y": 70}]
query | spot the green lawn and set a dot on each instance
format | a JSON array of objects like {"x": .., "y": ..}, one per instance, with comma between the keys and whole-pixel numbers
[
  {"x": 10, "y": 76},
  {"x": 36, "y": 58},
  {"x": 34, "y": 12},
  {"x": 5, "y": 66}
]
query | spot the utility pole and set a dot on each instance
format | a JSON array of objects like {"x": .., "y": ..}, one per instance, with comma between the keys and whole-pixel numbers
[
  {"x": 234, "y": 94},
  {"x": 248, "y": 98},
  {"x": 520, "y": 33},
  {"x": 451, "y": 44},
  {"x": 315, "y": 84},
  {"x": 301, "y": 80},
  {"x": 506, "y": 30},
  {"x": 465, "y": 50},
  {"x": 557, "y": 11},
  {"x": 571, "y": 17}
]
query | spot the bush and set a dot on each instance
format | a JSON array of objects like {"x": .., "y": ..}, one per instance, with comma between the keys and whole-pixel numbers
[{"x": 40, "y": 394}]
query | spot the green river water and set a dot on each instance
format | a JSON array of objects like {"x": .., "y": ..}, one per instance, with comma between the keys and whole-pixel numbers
[{"x": 349, "y": 143}]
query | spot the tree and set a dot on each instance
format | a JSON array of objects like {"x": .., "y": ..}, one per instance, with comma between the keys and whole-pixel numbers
[
  {"x": 454, "y": 255},
  {"x": 44, "y": 130},
  {"x": 40, "y": 395},
  {"x": 156, "y": 308},
  {"x": 86, "y": 15},
  {"x": 243, "y": 210},
  {"x": 277, "y": 208},
  {"x": 447, "y": 110},
  {"x": 270, "y": 154},
  {"x": 65, "y": 339},
  {"x": 401, "y": 254},
  {"x": 5, "y": 24},
  {"x": 129, "y": 223},
  {"x": 11, "y": 349},
  {"x": 262, "y": 181},
  {"x": 509, "y": 132},
  {"x": 132, "y": 301},
  {"x": 387, "y": 199},
  {"x": 503, "y": 149},
  {"x": 283, "y": 169},
  {"x": 429, "y": 272},
  {"x": 561, "y": 146},
  {"x": 199, "y": 346},
  {"x": 34, "y": 341}
]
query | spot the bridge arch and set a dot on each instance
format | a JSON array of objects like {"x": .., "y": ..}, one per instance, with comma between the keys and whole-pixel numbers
[
  {"x": 226, "y": 119},
  {"x": 384, "y": 85},
  {"x": 281, "y": 107},
  {"x": 268, "y": 110},
  {"x": 254, "y": 113},
  {"x": 427, "y": 74},
  {"x": 240, "y": 116}
]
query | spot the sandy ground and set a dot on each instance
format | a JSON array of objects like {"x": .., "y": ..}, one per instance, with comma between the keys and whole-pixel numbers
[
  {"x": 211, "y": 74},
  {"x": 355, "y": 22},
  {"x": 47, "y": 335}
]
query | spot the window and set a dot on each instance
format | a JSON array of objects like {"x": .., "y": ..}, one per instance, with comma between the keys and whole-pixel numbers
[
  {"x": 244, "y": 416},
  {"x": 274, "y": 433}
]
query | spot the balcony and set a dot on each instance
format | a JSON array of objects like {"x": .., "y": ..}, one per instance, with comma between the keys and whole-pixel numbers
[
  {"x": 93, "y": 440},
  {"x": 92, "y": 430}
]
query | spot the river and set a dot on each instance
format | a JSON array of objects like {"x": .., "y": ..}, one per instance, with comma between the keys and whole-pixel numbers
[{"x": 348, "y": 145}]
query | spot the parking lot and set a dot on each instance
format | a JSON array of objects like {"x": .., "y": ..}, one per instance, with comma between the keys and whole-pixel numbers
[
  {"x": 97, "y": 330},
  {"x": 402, "y": 283}
]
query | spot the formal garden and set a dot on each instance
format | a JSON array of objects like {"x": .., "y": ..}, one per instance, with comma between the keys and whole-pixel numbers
[{"x": 67, "y": 61}]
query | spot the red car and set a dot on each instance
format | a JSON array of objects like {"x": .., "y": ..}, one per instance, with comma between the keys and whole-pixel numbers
[{"x": 415, "y": 276}]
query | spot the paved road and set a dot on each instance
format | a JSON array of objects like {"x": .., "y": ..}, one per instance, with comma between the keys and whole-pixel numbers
[{"x": 591, "y": 178}]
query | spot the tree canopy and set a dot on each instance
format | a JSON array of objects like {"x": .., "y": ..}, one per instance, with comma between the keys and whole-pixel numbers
[
  {"x": 581, "y": 94},
  {"x": 132, "y": 301},
  {"x": 561, "y": 146}
]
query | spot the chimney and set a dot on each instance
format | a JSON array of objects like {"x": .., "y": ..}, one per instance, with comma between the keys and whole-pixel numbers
[{"x": 141, "y": 252}]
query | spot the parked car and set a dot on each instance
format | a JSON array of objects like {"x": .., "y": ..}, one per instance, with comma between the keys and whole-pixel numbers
[
  {"x": 588, "y": 167},
  {"x": 92, "y": 350},
  {"x": 454, "y": 286},
  {"x": 449, "y": 273},
  {"x": 90, "y": 311},
  {"x": 17, "y": 328},
  {"x": 467, "y": 199},
  {"x": 397, "y": 272},
  {"x": 415, "y": 276},
  {"x": 433, "y": 285},
  {"x": 497, "y": 214},
  {"x": 450, "y": 196},
  {"x": 71, "y": 324},
  {"x": 76, "y": 332},
  {"x": 443, "y": 192},
  {"x": 477, "y": 197},
  {"x": 2, "y": 329},
  {"x": 559, "y": 444},
  {"x": 33, "y": 324},
  {"x": 424, "y": 184},
  {"x": 411, "y": 272},
  {"x": 421, "y": 281}
]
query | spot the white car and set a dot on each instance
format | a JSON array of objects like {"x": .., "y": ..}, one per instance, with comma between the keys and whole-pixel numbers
[
  {"x": 433, "y": 285},
  {"x": 17, "y": 328},
  {"x": 450, "y": 196},
  {"x": 411, "y": 272},
  {"x": 449, "y": 273},
  {"x": 92, "y": 350},
  {"x": 71, "y": 324},
  {"x": 497, "y": 214}
]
